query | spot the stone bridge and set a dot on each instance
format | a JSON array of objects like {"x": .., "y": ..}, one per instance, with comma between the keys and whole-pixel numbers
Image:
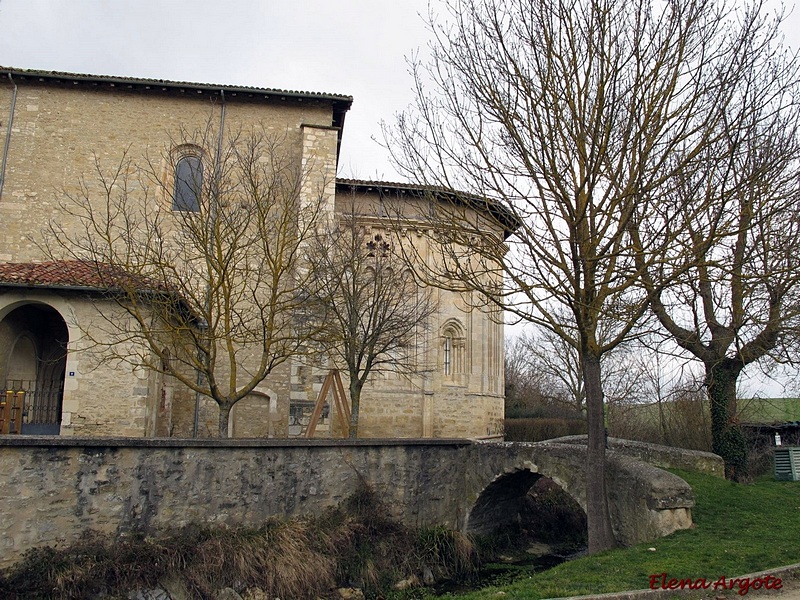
[{"x": 53, "y": 489}]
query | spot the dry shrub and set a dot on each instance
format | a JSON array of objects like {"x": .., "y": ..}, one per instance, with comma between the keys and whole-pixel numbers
[
  {"x": 374, "y": 551},
  {"x": 355, "y": 544},
  {"x": 448, "y": 554},
  {"x": 683, "y": 422},
  {"x": 538, "y": 429},
  {"x": 287, "y": 559},
  {"x": 89, "y": 566}
]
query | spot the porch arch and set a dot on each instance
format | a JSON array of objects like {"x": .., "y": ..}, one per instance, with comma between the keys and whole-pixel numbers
[{"x": 35, "y": 337}]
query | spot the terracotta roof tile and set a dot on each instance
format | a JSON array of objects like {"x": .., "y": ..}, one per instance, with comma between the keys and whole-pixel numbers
[{"x": 61, "y": 273}]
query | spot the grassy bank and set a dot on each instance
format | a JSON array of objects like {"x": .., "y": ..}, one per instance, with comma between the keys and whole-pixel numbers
[{"x": 738, "y": 529}]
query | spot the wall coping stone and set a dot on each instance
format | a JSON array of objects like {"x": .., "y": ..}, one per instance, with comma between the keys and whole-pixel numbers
[
  {"x": 138, "y": 442},
  {"x": 664, "y": 457}
]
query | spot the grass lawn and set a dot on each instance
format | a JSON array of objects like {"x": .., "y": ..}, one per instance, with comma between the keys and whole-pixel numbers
[{"x": 739, "y": 529}]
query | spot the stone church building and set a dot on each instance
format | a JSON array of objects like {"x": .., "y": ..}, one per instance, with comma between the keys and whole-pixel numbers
[{"x": 53, "y": 127}]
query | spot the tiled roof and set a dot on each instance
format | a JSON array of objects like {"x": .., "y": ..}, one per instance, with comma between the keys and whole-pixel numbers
[
  {"x": 63, "y": 274},
  {"x": 503, "y": 215},
  {"x": 156, "y": 84},
  {"x": 393, "y": 185}
]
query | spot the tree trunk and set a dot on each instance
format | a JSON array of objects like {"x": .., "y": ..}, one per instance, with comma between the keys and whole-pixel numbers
[
  {"x": 601, "y": 536},
  {"x": 224, "y": 417},
  {"x": 727, "y": 439},
  {"x": 355, "y": 402}
]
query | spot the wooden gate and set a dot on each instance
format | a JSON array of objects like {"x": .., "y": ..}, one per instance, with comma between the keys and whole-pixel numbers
[
  {"x": 31, "y": 407},
  {"x": 12, "y": 405}
]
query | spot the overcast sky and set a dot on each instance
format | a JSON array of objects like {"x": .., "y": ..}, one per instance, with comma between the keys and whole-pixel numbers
[{"x": 352, "y": 47}]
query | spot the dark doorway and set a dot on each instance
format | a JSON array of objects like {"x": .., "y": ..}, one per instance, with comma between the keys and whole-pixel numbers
[{"x": 34, "y": 337}]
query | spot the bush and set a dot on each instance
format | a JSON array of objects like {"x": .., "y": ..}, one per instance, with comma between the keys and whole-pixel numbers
[
  {"x": 683, "y": 422},
  {"x": 354, "y": 544},
  {"x": 536, "y": 430},
  {"x": 543, "y": 411}
]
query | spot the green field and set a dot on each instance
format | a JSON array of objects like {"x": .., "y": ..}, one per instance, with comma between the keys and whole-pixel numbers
[
  {"x": 769, "y": 410},
  {"x": 751, "y": 410}
]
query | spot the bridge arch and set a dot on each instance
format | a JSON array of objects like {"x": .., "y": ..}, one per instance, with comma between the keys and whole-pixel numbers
[
  {"x": 505, "y": 505},
  {"x": 645, "y": 502}
]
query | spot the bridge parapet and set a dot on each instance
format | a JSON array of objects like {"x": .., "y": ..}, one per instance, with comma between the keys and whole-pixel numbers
[
  {"x": 54, "y": 488},
  {"x": 664, "y": 457}
]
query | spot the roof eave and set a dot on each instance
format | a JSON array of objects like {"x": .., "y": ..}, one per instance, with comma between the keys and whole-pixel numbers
[
  {"x": 54, "y": 286},
  {"x": 341, "y": 102},
  {"x": 505, "y": 218}
]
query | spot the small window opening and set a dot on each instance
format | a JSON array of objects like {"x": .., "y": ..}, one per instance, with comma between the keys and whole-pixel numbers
[
  {"x": 188, "y": 184},
  {"x": 448, "y": 355}
]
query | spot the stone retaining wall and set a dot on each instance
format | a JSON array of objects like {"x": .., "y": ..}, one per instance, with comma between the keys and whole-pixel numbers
[{"x": 53, "y": 489}]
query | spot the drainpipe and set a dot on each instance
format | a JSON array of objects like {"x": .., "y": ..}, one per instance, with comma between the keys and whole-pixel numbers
[
  {"x": 8, "y": 135},
  {"x": 217, "y": 172},
  {"x": 221, "y": 131}
]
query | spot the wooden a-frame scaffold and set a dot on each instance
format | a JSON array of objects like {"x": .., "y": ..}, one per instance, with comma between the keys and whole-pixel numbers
[{"x": 340, "y": 406}]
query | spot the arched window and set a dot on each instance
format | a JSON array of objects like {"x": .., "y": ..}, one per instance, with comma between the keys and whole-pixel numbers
[
  {"x": 453, "y": 349},
  {"x": 447, "y": 351},
  {"x": 188, "y": 183}
]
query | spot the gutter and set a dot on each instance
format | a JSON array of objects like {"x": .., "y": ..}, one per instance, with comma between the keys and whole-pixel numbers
[{"x": 8, "y": 135}]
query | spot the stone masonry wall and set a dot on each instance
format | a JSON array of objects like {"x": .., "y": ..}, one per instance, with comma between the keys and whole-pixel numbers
[
  {"x": 61, "y": 133},
  {"x": 468, "y": 400},
  {"x": 53, "y": 489},
  {"x": 59, "y": 129}
]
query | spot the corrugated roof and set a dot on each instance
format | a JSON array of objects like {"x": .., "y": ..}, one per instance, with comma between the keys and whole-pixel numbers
[
  {"x": 165, "y": 84},
  {"x": 394, "y": 185}
]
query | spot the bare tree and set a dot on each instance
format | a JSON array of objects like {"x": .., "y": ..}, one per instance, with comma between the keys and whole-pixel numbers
[
  {"x": 201, "y": 250},
  {"x": 373, "y": 315},
  {"x": 739, "y": 301},
  {"x": 557, "y": 364},
  {"x": 525, "y": 386},
  {"x": 574, "y": 116}
]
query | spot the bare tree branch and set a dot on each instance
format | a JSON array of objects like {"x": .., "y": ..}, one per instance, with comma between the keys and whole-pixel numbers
[
  {"x": 373, "y": 315},
  {"x": 578, "y": 119},
  {"x": 225, "y": 260}
]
